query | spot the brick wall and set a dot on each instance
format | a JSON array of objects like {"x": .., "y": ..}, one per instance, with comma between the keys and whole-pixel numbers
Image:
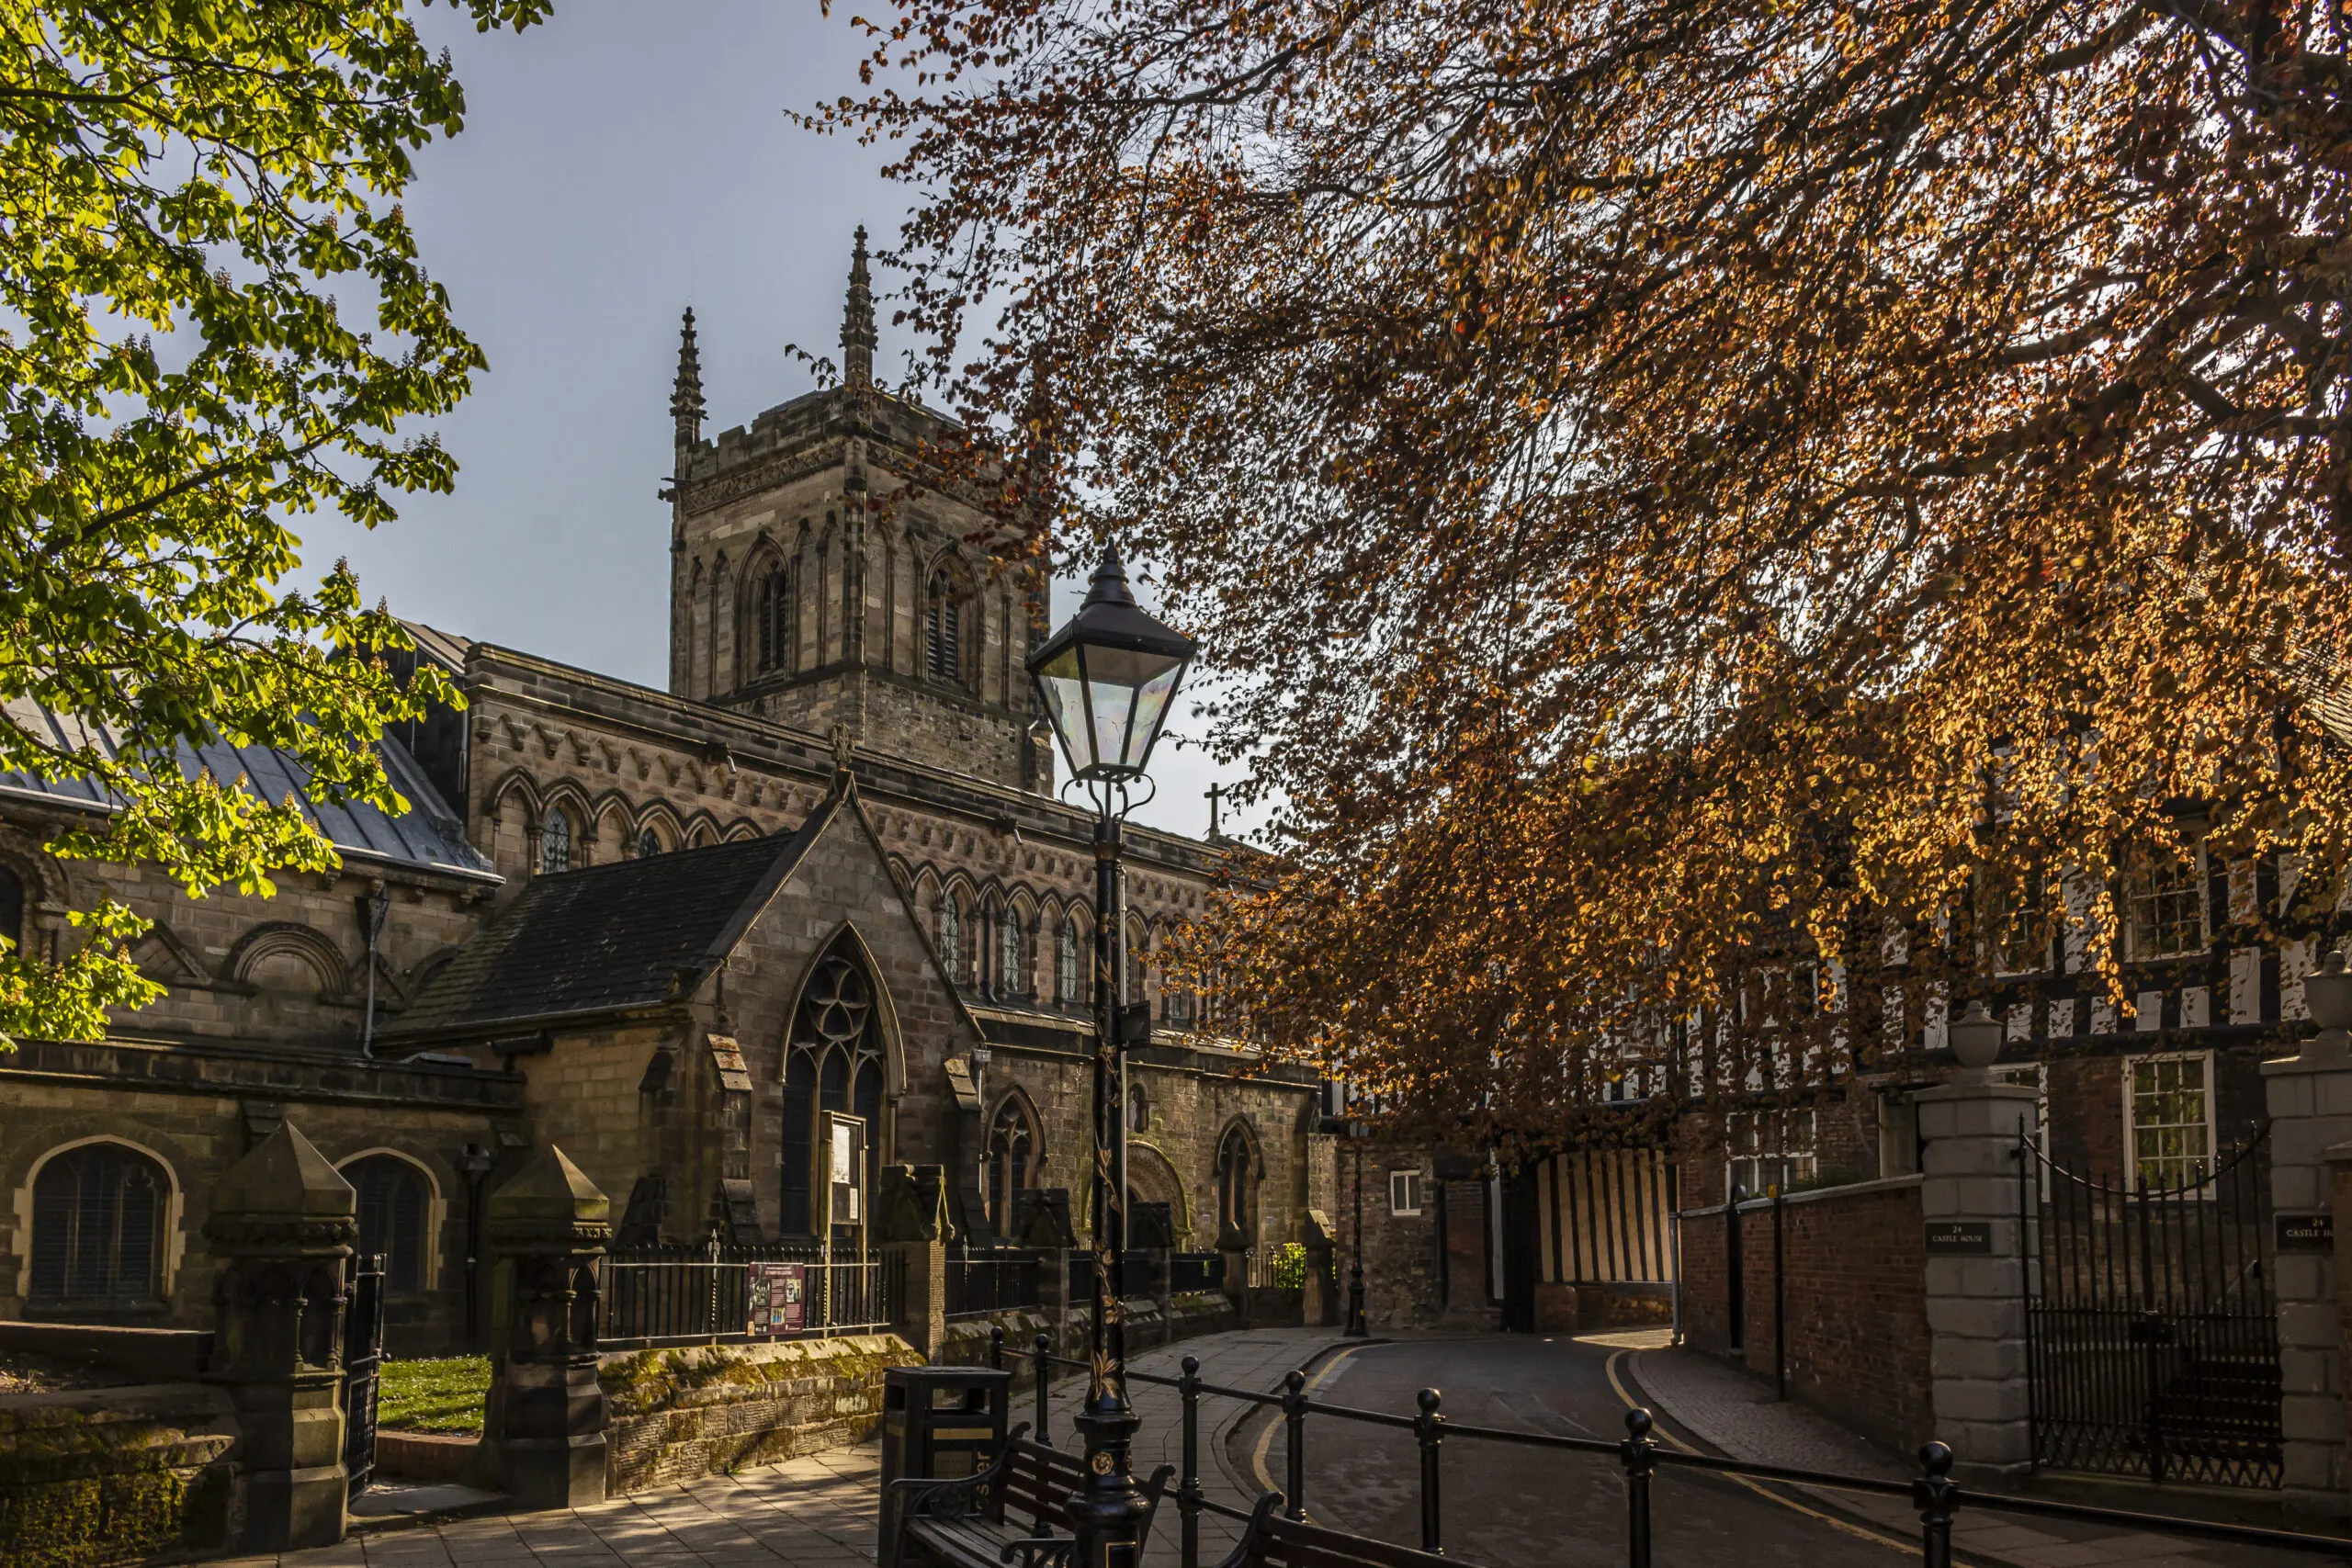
[{"x": 1853, "y": 1283}]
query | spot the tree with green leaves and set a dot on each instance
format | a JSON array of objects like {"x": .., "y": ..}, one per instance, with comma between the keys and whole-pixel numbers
[{"x": 185, "y": 183}]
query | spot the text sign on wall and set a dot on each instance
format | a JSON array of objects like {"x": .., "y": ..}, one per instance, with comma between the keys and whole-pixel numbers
[
  {"x": 776, "y": 1298},
  {"x": 1948, "y": 1238},
  {"x": 2306, "y": 1232}
]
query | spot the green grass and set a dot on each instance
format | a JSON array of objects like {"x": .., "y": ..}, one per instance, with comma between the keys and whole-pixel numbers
[{"x": 432, "y": 1396}]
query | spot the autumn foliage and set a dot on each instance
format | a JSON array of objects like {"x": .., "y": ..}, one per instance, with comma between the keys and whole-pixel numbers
[{"x": 1686, "y": 488}]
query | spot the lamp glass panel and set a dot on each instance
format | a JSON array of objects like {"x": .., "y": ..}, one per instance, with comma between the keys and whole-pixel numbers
[
  {"x": 1063, "y": 682},
  {"x": 1126, "y": 690},
  {"x": 1151, "y": 706}
]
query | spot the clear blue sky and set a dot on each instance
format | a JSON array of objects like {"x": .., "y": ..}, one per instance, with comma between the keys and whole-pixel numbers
[{"x": 618, "y": 164}]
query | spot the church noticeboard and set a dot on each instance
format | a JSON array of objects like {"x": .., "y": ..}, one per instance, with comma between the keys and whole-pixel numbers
[
  {"x": 776, "y": 1299},
  {"x": 2306, "y": 1232},
  {"x": 1958, "y": 1238}
]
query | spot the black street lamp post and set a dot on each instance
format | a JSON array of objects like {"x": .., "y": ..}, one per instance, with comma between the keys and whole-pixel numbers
[{"x": 1106, "y": 681}]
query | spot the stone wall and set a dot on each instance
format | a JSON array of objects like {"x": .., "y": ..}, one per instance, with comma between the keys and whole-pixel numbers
[
  {"x": 677, "y": 1414},
  {"x": 98, "y": 1476},
  {"x": 1402, "y": 1278},
  {"x": 197, "y": 1108},
  {"x": 1853, "y": 1282}
]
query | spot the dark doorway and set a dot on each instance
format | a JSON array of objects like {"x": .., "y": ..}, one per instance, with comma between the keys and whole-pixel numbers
[{"x": 1522, "y": 1249}]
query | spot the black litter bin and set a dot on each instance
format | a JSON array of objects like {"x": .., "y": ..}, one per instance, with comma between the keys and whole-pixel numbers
[{"x": 941, "y": 1422}]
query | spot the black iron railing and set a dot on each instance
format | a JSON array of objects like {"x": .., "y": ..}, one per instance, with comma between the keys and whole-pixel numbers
[
  {"x": 1193, "y": 1271},
  {"x": 2152, "y": 1323},
  {"x": 1640, "y": 1455},
  {"x": 1003, "y": 1279},
  {"x": 709, "y": 1293}
]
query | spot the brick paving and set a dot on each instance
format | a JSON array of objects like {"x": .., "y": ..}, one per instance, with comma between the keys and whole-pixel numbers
[
  {"x": 1738, "y": 1415},
  {"x": 818, "y": 1511}
]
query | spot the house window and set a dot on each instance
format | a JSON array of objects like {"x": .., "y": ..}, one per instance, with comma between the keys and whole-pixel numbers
[
  {"x": 1012, "y": 957},
  {"x": 1404, "y": 1192},
  {"x": 1770, "y": 1151},
  {"x": 2166, "y": 912},
  {"x": 99, "y": 1215},
  {"x": 1066, "y": 962},
  {"x": 2169, "y": 1118},
  {"x": 555, "y": 843},
  {"x": 393, "y": 1199},
  {"x": 2021, "y": 934}
]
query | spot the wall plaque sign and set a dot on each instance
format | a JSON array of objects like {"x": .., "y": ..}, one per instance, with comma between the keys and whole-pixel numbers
[
  {"x": 1948, "y": 1238},
  {"x": 2306, "y": 1232}
]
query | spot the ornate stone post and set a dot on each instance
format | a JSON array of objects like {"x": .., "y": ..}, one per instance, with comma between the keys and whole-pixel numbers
[
  {"x": 911, "y": 1227},
  {"x": 546, "y": 1439},
  {"x": 283, "y": 1222},
  {"x": 1320, "y": 1303}
]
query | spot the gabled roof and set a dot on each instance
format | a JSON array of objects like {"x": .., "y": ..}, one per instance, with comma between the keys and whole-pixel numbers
[
  {"x": 608, "y": 938},
  {"x": 428, "y": 838}
]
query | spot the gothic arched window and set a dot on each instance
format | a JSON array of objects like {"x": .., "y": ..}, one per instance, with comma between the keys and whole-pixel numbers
[
  {"x": 1066, "y": 962},
  {"x": 951, "y": 936},
  {"x": 1013, "y": 1157},
  {"x": 1011, "y": 953},
  {"x": 1237, "y": 1187},
  {"x": 393, "y": 1201},
  {"x": 555, "y": 841},
  {"x": 1139, "y": 941},
  {"x": 649, "y": 844},
  {"x": 943, "y": 641},
  {"x": 834, "y": 1063},
  {"x": 771, "y": 618},
  {"x": 11, "y": 909},
  {"x": 98, "y": 1217}
]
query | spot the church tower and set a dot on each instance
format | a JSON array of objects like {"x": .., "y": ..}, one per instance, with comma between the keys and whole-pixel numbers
[{"x": 827, "y": 570}]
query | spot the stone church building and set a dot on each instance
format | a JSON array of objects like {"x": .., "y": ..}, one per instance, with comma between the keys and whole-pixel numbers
[{"x": 670, "y": 931}]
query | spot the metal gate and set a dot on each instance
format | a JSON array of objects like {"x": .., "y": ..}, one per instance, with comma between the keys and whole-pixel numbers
[
  {"x": 2152, "y": 1323},
  {"x": 363, "y": 1353}
]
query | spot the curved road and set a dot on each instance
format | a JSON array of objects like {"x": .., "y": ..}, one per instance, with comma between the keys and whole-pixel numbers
[{"x": 1527, "y": 1507}]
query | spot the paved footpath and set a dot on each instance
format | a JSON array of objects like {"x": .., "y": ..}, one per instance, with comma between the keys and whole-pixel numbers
[
  {"x": 1250, "y": 1359},
  {"x": 1738, "y": 1415},
  {"x": 818, "y": 1511}
]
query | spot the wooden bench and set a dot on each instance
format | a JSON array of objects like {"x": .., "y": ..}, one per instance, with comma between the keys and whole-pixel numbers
[
  {"x": 1269, "y": 1540},
  {"x": 962, "y": 1523}
]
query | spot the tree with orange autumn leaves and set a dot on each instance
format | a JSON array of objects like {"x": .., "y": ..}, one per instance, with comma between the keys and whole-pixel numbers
[{"x": 1738, "y": 511}]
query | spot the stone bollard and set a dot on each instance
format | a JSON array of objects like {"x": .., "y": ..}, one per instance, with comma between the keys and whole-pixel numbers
[
  {"x": 2309, "y": 1101},
  {"x": 911, "y": 1224},
  {"x": 544, "y": 1438},
  {"x": 282, "y": 1224},
  {"x": 1970, "y": 1196}
]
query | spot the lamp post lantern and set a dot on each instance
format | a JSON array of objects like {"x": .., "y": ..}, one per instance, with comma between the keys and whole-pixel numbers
[{"x": 1106, "y": 681}]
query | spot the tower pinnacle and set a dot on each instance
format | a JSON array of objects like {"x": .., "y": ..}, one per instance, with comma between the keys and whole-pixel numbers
[
  {"x": 685, "y": 400},
  {"x": 857, "y": 322}
]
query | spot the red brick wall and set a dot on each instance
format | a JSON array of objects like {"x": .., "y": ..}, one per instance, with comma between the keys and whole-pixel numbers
[
  {"x": 1706, "y": 1322},
  {"x": 1854, "y": 1284}
]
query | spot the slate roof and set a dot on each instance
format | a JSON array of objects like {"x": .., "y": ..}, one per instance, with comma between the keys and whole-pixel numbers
[
  {"x": 429, "y": 837},
  {"x": 631, "y": 933}
]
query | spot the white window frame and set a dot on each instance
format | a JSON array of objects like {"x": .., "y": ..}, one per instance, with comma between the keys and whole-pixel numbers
[
  {"x": 2136, "y": 891},
  {"x": 1414, "y": 1185},
  {"x": 1800, "y": 1161},
  {"x": 2131, "y": 1127}
]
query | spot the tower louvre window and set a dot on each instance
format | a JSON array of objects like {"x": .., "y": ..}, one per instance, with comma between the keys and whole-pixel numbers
[
  {"x": 772, "y": 606},
  {"x": 944, "y": 645}
]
